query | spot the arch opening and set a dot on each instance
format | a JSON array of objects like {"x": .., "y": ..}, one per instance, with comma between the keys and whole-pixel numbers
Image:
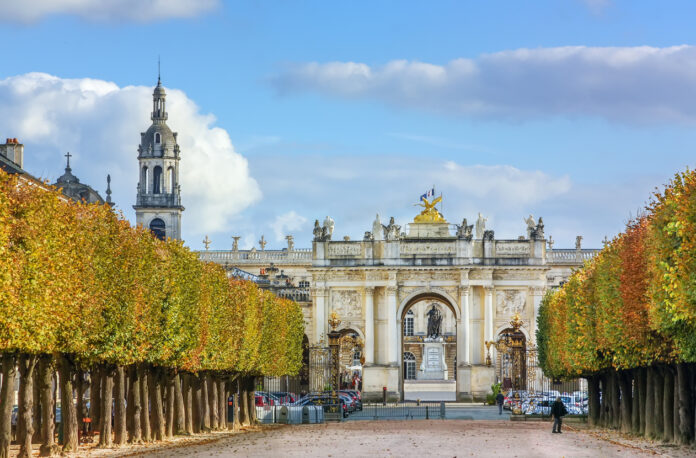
[{"x": 158, "y": 228}]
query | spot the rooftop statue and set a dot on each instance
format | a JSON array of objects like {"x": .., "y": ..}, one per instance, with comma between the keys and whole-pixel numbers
[{"x": 429, "y": 213}]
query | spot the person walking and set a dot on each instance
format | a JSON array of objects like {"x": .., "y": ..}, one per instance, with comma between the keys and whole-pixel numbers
[
  {"x": 558, "y": 410},
  {"x": 500, "y": 399}
]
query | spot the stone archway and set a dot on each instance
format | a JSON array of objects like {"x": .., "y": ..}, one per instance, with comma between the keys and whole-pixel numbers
[{"x": 430, "y": 372}]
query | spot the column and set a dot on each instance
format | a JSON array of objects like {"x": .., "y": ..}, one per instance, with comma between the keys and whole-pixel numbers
[
  {"x": 537, "y": 295},
  {"x": 464, "y": 328},
  {"x": 488, "y": 317},
  {"x": 391, "y": 325},
  {"x": 369, "y": 325},
  {"x": 319, "y": 315}
]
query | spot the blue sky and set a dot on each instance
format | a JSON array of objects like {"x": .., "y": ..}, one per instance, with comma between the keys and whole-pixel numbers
[{"x": 298, "y": 109}]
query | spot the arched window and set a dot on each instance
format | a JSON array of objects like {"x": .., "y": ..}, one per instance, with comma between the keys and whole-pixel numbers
[
  {"x": 409, "y": 366},
  {"x": 356, "y": 357},
  {"x": 157, "y": 180},
  {"x": 158, "y": 228},
  {"x": 158, "y": 138},
  {"x": 408, "y": 323},
  {"x": 143, "y": 181},
  {"x": 172, "y": 181}
]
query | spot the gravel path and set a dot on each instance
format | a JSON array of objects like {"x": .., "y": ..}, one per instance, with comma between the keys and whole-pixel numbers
[{"x": 435, "y": 438}]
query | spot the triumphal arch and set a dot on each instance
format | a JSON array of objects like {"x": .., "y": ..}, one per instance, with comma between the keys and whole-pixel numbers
[{"x": 424, "y": 300}]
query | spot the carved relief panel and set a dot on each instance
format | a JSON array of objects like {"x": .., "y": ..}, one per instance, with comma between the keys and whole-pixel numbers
[
  {"x": 510, "y": 301},
  {"x": 346, "y": 303}
]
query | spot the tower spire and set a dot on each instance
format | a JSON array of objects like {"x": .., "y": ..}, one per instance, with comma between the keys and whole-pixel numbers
[
  {"x": 108, "y": 190},
  {"x": 159, "y": 82}
]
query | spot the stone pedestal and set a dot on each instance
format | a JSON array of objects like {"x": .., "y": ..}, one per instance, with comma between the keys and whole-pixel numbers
[
  {"x": 482, "y": 377},
  {"x": 428, "y": 230},
  {"x": 433, "y": 366}
]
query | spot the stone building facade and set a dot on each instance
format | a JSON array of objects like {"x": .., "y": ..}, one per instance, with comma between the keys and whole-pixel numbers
[{"x": 373, "y": 283}]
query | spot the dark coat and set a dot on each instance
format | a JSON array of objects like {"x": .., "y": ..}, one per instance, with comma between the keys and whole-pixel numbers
[
  {"x": 558, "y": 410},
  {"x": 499, "y": 399}
]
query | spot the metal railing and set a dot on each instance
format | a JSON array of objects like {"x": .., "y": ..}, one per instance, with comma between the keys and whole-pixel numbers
[{"x": 403, "y": 410}]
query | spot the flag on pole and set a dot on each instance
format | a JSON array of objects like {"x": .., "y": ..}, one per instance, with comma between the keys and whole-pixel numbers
[{"x": 428, "y": 194}]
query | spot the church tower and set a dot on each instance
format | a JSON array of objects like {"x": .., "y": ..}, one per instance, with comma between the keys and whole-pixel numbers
[{"x": 158, "y": 203}]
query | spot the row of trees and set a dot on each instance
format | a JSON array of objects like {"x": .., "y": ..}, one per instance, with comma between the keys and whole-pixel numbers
[
  {"x": 627, "y": 322},
  {"x": 137, "y": 324}
]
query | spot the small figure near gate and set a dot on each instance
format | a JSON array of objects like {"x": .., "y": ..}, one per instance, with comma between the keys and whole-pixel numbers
[
  {"x": 558, "y": 410},
  {"x": 500, "y": 399}
]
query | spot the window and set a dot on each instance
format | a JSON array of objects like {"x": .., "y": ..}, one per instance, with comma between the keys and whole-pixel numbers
[
  {"x": 158, "y": 228},
  {"x": 408, "y": 323},
  {"x": 356, "y": 357},
  {"x": 158, "y": 138},
  {"x": 409, "y": 366},
  {"x": 157, "y": 180},
  {"x": 303, "y": 284},
  {"x": 143, "y": 181},
  {"x": 172, "y": 181}
]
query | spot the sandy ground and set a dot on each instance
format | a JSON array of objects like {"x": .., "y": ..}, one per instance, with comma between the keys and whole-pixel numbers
[{"x": 436, "y": 438}]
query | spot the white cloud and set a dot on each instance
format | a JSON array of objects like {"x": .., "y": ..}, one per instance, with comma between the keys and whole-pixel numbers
[
  {"x": 105, "y": 10},
  {"x": 597, "y": 6},
  {"x": 286, "y": 223},
  {"x": 626, "y": 84},
  {"x": 353, "y": 188},
  {"x": 100, "y": 123}
]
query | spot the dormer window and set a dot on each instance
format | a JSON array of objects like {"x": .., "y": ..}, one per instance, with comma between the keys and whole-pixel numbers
[{"x": 157, "y": 138}]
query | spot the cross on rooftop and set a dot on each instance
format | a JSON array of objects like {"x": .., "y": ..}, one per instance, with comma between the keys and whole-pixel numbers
[
  {"x": 68, "y": 155},
  {"x": 206, "y": 242},
  {"x": 262, "y": 243}
]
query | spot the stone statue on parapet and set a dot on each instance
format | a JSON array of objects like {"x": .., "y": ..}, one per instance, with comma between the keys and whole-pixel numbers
[
  {"x": 578, "y": 242},
  {"x": 392, "y": 231},
  {"x": 317, "y": 231},
  {"x": 530, "y": 225},
  {"x": 539, "y": 230},
  {"x": 480, "y": 226},
  {"x": 429, "y": 213},
  {"x": 377, "y": 229},
  {"x": 465, "y": 231},
  {"x": 329, "y": 225},
  {"x": 291, "y": 242},
  {"x": 434, "y": 322}
]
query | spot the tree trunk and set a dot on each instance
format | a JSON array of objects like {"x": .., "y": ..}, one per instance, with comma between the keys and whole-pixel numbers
[
  {"x": 197, "y": 404},
  {"x": 650, "y": 404},
  {"x": 9, "y": 377},
  {"x": 668, "y": 405},
  {"x": 236, "y": 412},
  {"x": 80, "y": 409},
  {"x": 48, "y": 420},
  {"x": 205, "y": 403},
  {"x": 171, "y": 402},
  {"x": 642, "y": 392},
  {"x": 187, "y": 391},
  {"x": 251, "y": 400},
  {"x": 68, "y": 414},
  {"x": 36, "y": 410},
  {"x": 135, "y": 434},
  {"x": 615, "y": 400},
  {"x": 107, "y": 391},
  {"x": 635, "y": 407},
  {"x": 95, "y": 392},
  {"x": 243, "y": 400},
  {"x": 179, "y": 410},
  {"x": 27, "y": 363},
  {"x": 212, "y": 401},
  {"x": 593, "y": 405},
  {"x": 155, "y": 382},
  {"x": 144, "y": 402},
  {"x": 222, "y": 403},
  {"x": 658, "y": 386},
  {"x": 675, "y": 409},
  {"x": 120, "y": 434},
  {"x": 625, "y": 382}
]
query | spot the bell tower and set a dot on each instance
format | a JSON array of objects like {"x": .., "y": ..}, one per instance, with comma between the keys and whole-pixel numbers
[{"x": 158, "y": 201}]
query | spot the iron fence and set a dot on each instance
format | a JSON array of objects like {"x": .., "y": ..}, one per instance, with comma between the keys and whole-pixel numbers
[{"x": 405, "y": 410}]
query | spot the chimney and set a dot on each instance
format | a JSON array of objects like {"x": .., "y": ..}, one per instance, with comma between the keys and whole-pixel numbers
[{"x": 14, "y": 151}]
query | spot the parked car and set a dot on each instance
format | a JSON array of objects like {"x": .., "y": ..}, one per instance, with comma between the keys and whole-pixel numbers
[
  {"x": 328, "y": 402},
  {"x": 263, "y": 398},
  {"x": 285, "y": 397},
  {"x": 355, "y": 395}
]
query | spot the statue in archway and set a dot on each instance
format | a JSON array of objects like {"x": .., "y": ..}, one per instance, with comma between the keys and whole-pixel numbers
[{"x": 434, "y": 321}]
